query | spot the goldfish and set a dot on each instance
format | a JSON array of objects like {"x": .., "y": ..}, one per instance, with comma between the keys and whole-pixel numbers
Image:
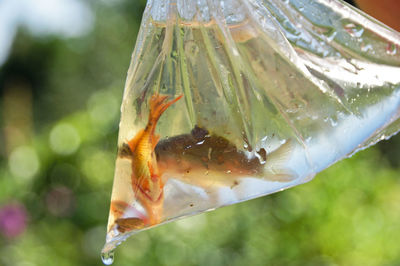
[{"x": 146, "y": 180}]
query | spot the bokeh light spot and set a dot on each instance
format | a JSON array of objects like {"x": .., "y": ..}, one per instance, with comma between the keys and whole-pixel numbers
[
  {"x": 103, "y": 108},
  {"x": 60, "y": 201},
  {"x": 24, "y": 162},
  {"x": 12, "y": 220},
  {"x": 64, "y": 139},
  {"x": 98, "y": 166}
]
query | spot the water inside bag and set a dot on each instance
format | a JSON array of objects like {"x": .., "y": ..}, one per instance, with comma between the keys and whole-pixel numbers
[{"x": 226, "y": 101}]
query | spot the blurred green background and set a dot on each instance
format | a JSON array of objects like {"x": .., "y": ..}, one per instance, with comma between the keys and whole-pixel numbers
[{"x": 61, "y": 79}]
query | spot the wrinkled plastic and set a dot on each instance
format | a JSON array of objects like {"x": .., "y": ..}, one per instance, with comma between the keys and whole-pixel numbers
[{"x": 272, "y": 93}]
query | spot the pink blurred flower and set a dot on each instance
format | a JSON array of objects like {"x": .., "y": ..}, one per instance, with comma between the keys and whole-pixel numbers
[{"x": 13, "y": 219}]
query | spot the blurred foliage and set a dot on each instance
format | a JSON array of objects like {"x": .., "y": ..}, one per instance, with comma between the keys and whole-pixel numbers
[{"x": 60, "y": 109}]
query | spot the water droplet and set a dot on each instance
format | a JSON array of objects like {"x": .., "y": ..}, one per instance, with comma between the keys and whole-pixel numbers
[{"x": 107, "y": 257}]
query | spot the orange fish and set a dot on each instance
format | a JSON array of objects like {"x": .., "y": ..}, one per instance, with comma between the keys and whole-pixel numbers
[{"x": 146, "y": 178}]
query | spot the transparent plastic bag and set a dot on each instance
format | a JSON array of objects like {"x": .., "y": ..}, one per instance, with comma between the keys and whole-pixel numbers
[{"x": 226, "y": 101}]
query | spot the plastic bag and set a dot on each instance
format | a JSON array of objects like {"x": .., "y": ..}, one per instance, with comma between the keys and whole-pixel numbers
[{"x": 226, "y": 101}]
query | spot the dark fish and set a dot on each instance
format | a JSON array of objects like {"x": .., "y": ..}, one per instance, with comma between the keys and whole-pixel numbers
[
  {"x": 208, "y": 151},
  {"x": 205, "y": 159}
]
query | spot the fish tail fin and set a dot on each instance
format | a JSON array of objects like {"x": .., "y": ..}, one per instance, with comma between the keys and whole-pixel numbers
[
  {"x": 275, "y": 168},
  {"x": 158, "y": 106}
]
